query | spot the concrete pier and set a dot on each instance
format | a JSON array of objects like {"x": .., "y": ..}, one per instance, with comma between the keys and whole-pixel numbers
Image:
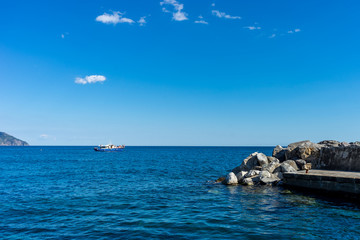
[{"x": 332, "y": 181}]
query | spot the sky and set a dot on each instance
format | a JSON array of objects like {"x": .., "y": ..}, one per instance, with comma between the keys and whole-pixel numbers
[{"x": 180, "y": 72}]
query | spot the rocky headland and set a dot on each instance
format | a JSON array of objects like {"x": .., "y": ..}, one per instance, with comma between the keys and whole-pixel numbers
[
  {"x": 8, "y": 140},
  {"x": 258, "y": 168}
]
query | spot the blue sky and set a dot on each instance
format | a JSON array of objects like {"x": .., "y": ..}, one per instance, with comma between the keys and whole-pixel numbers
[{"x": 181, "y": 72}]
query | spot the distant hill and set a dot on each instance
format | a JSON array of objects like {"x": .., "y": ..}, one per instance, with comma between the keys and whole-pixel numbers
[{"x": 8, "y": 140}]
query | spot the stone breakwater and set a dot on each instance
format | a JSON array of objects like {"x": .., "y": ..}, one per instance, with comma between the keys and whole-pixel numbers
[{"x": 258, "y": 168}]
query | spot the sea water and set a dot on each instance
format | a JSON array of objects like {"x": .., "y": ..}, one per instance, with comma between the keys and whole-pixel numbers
[{"x": 155, "y": 193}]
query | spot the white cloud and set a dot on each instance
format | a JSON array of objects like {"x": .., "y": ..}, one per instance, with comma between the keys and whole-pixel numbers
[
  {"x": 62, "y": 36},
  {"x": 272, "y": 35},
  {"x": 202, "y": 22},
  {"x": 213, "y": 4},
  {"x": 294, "y": 31},
  {"x": 142, "y": 21},
  {"x": 90, "y": 79},
  {"x": 178, "y": 14},
  {"x": 253, "y": 28},
  {"x": 114, "y": 18},
  {"x": 219, "y": 14}
]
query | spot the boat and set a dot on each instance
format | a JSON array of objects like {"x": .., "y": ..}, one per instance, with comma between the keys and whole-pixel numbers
[{"x": 109, "y": 148}]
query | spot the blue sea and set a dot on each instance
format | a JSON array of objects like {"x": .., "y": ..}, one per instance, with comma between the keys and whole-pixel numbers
[{"x": 155, "y": 193}]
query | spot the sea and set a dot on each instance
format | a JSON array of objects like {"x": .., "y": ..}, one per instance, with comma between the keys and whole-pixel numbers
[{"x": 156, "y": 193}]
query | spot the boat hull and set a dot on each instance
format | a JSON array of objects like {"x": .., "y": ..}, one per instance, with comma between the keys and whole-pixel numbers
[{"x": 108, "y": 149}]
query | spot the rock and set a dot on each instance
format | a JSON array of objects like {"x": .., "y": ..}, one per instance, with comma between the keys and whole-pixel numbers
[
  {"x": 262, "y": 159},
  {"x": 292, "y": 163},
  {"x": 271, "y": 159},
  {"x": 259, "y": 168},
  {"x": 341, "y": 158},
  {"x": 264, "y": 174},
  {"x": 277, "y": 169},
  {"x": 285, "y": 167},
  {"x": 220, "y": 179},
  {"x": 278, "y": 175},
  {"x": 330, "y": 143},
  {"x": 279, "y": 153},
  {"x": 270, "y": 167},
  {"x": 305, "y": 150},
  {"x": 301, "y": 164},
  {"x": 249, "y": 163},
  {"x": 248, "y": 181},
  {"x": 241, "y": 175},
  {"x": 270, "y": 180},
  {"x": 307, "y": 166},
  {"x": 252, "y": 173},
  {"x": 231, "y": 179}
]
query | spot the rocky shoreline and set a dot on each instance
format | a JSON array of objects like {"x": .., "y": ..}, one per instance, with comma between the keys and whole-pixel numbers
[{"x": 259, "y": 169}]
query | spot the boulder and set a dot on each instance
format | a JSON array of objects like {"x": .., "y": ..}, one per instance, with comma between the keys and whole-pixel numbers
[
  {"x": 262, "y": 159},
  {"x": 305, "y": 150},
  {"x": 292, "y": 163},
  {"x": 301, "y": 164},
  {"x": 252, "y": 173},
  {"x": 279, "y": 175},
  {"x": 271, "y": 159},
  {"x": 270, "y": 167},
  {"x": 248, "y": 181},
  {"x": 285, "y": 168},
  {"x": 220, "y": 179},
  {"x": 241, "y": 175},
  {"x": 264, "y": 174},
  {"x": 279, "y": 153},
  {"x": 277, "y": 169},
  {"x": 330, "y": 143},
  {"x": 270, "y": 180},
  {"x": 231, "y": 179},
  {"x": 341, "y": 158},
  {"x": 249, "y": 163}
]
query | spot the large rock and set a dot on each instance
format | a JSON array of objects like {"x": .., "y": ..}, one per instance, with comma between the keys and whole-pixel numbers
[
  {"x": 305, "y": 150},
  {"x": 279, "y": 153},
  {"x": 270, "y": 167},
  {"x": 252, "y": 173},
  {"x": 262, "y": 159},
  {"x": 279, "y": 175},
  {"x": 264, "y": 174},
  {"x": 341, "y": 158},
  {"x": 241, "y": 175},
  {"x": 292, "y": 163},
  {"x": 330, "y": 143},
  {"x": 231, "y": 179},
  {"x": 249, "y": 163},
  {"x": 267, "y": 178},
  {"x": 248, "y": 181},
  {"x": 285, "y": 168},
  {"x": 301, "y": 164}
]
